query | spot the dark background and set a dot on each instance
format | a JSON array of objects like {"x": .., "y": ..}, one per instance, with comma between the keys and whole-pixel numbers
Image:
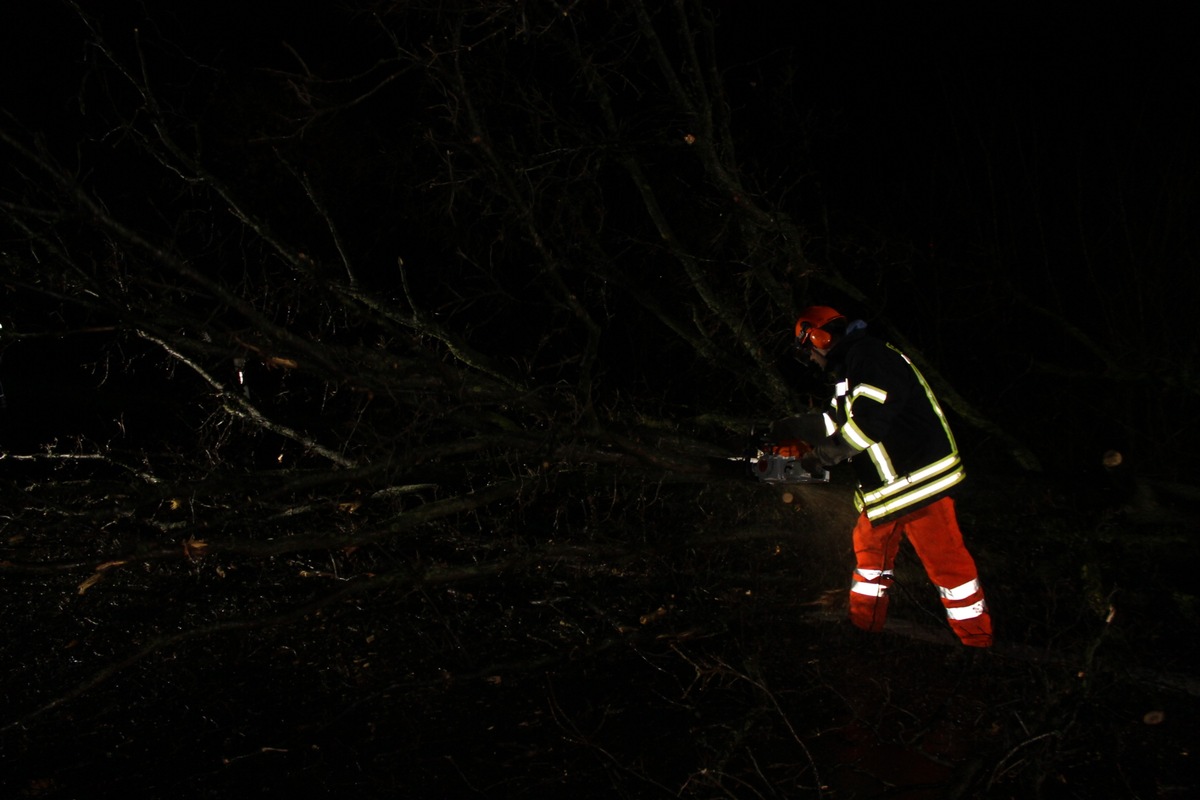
[
  {"x": 1014, "y": 192},
  {"x": 484, "y": 535}
]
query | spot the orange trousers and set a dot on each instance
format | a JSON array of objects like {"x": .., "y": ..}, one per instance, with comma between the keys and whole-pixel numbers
[{"x": 934, "y": 534}]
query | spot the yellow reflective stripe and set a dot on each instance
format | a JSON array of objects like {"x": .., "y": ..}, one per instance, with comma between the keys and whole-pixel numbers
[
  {"x": 959, "y": 592},
  {"x": 862, "y": 390},
  {"x": 869, "y": 589},
  {"x": 882, "y": 461},
  {"x": 937, "y": 409},
  {"x": 896, "y": 486},
  {"x": 966, "y": 612},
  {"x": 872, "y": 392},
  {"x": 854, "y": 435},
  {"x": 916, "y": 495}
]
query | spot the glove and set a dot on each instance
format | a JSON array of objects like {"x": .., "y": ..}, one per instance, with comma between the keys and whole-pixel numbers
[{"x": 825, "y": 454}]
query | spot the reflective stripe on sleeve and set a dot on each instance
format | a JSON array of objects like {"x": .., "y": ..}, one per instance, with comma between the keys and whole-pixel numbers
[
  {"x": 850, "y": 430},
  {"x": 867, "y": 390},
  {"x": 883, "y": 463},
  {"x": 854, "y": 435}
]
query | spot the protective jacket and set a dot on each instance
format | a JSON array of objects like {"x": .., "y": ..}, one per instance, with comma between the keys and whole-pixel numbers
[{"x": 885, "y": 417}]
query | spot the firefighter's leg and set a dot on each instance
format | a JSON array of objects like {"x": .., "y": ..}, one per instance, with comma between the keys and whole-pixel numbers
[
  {"x": 875, "y": 554},
  {"x": 938, "y": 542}
]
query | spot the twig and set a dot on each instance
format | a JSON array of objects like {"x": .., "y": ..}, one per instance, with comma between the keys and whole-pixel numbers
[
  {"x": 998, "y": 773},
  {"x": 163, "y": 642},
  {"x": 759, "y": 684},
  {"x": 239, "y": 406},
  {"x": 52, "y": 456}
]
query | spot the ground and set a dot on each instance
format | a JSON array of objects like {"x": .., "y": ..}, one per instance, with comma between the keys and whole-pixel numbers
[{"x": 715, "y": 664}]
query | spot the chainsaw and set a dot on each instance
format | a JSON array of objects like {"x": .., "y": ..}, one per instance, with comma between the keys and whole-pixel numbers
[{"x": 779, "y": 462}]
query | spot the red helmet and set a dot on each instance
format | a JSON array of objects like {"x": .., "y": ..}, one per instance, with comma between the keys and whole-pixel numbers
[{"x": 809, "y": 327}]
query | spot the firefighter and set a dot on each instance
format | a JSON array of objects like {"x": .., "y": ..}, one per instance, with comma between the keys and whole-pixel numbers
[{"x": 885, "y": 420}]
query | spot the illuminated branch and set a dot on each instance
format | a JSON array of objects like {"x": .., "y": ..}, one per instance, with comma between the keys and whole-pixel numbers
[{"x": 237, "y": 405}]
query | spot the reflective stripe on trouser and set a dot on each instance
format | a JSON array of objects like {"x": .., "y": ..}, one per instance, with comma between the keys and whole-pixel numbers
[
  {"x": 869, "y": 597},
  {"x": 937, "y": 540}
]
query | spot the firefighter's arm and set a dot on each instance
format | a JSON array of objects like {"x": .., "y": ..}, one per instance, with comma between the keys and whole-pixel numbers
[
  {"x": 807, "y": 427},
  {"x": 827, "y": 452},
  {"x": 877, "y": 393}
]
